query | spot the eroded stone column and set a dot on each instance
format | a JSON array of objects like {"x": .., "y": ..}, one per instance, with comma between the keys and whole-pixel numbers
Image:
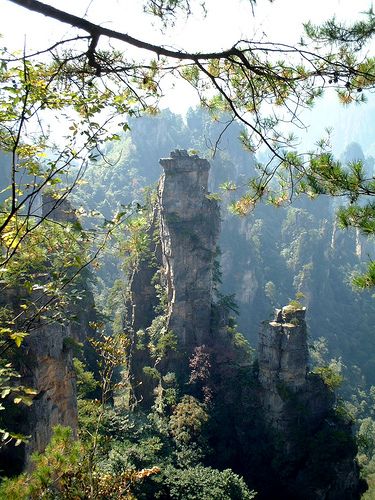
[
  {"x": 283, "y": 358},
  {"x": 189, "y": 229}
]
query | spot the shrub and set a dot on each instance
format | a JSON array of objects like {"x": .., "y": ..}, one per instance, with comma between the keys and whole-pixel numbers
[{"x": 205, "y": 483}]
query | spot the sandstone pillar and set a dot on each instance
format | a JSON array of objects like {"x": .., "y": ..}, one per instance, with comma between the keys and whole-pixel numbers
[{"x": 189, "y": 229}]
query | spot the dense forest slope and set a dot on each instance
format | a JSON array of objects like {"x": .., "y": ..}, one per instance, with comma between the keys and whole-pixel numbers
[
  {"x": 194, "y": 340},
  {"x": 266, "y": 258}
]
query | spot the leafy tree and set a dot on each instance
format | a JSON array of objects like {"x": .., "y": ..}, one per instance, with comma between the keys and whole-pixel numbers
[
  {"x": 87, "y": 76},
  {"x": 86, "y": 382},
  {"x": 63, "y": 472},
  {"x": 243, "y": 77},
  {"x": 205, "y": 483}
]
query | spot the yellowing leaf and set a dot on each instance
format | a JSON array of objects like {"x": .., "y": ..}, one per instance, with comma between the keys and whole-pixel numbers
[
  {"x": 5, "y": 392},
  {"x": 18, "y": 337}
]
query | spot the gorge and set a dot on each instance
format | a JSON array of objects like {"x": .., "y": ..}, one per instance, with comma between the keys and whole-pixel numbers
[{"x": 283, "y": 431}]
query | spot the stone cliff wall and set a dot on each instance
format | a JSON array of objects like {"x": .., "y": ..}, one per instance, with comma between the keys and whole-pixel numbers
[
  {"x": 45, "y": 363},
  {"x": 48, "y": 367}
]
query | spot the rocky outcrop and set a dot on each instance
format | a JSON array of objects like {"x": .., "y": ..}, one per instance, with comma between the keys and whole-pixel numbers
[
  {"x": 182, "y": 248},
  {"x": 314, "y": 447},
  {"x": 45, "y": 363},
  {"x": 48, "y": 367},
  {"x": 189, "y": 228},
  {"x": 283, "y": 369},
  {"x": 283, "y": 353},
  {"x": 143, "y": 299}
]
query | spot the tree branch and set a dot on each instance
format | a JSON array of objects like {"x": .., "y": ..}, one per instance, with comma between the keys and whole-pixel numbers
[{"x": 96, "y": 30}]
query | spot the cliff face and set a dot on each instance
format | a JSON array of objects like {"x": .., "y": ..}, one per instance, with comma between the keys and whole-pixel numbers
[
  {"x": 48, "y": 367},
  {"x": 189, "y": 228},
  {"x": 45, "y": 363}
]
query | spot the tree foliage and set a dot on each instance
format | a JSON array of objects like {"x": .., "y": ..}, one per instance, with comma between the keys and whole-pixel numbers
[
  {"x": 97, "y": 90},
  {"x": 246, "y": 81}
]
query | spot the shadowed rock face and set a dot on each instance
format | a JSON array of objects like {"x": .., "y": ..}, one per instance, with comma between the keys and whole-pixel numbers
[
  {"x": 49, "y": 369},
  {"x": 189, "y": 229},
  {"x": 45, "y": 363}
]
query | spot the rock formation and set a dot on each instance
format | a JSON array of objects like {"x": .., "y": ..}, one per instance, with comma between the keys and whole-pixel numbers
[
  {"x": 48, "y": 368},
  {"x": 45, "y": 363},
  {"x": 283, "y": 371},
  {"x": 189, "y": 228},
  {"x": 186, "y": 226},
  {"x": 313, "y": 443}
]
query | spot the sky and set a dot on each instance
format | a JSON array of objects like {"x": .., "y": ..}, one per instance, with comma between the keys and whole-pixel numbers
[{"x": 227, "y": 21}]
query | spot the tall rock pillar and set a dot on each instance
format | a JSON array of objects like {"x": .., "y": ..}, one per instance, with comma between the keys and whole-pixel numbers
[
  {"x": 189, "y": 229},
  {"x": 283, "y": 358},
  {"x": 313, "y": 447}
]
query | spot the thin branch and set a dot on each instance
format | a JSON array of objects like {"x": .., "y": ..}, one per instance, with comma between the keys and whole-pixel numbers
[
  {"x": 45, "y": 51},
  {"x": 236, "y": 113}
]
